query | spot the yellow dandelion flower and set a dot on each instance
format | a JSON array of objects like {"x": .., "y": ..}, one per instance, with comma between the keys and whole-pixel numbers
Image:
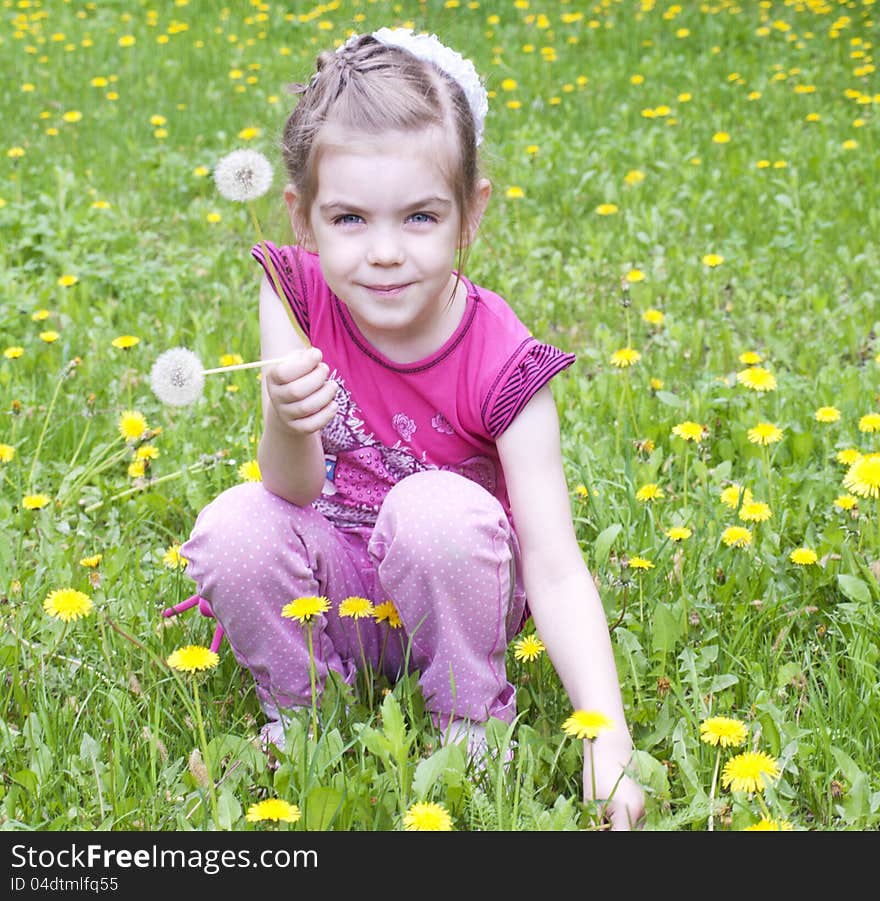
[
  {"x": 607, "y": 209},
  {"x": 634, "y": 276},
  {"x": 765, "y": 433},
  {"x": 712, "y": 260},
  {"x": 231, "y": 359},
  {"x": 736, "y": 536},
  {"x": 514, "y": 192},
  {"x": 7, "y": 452},
  {"x": 586, "y": 724},
  {"x": 249, "y": 471},
  {"x": 303, "y": 609},
  {"x": 427, "y": 816},
  {"x": 49, "y": 336},
  {"x": 634, "y": 177},
  {"x": 35, "y": 501},
  {"x": 529, "y": 648},
  {"x": 13, "y": 353},
  {"x": 863, "y": 477},
  {"x": 248, "y": 134},
  {"x": 757, "y": 378},
  {"x": 192, "y": 659},
  {"x": 356, "y": 608},
  {"x": 125, "y": 342},
  {"x": 803, "y": 556},
  {"x": 273, "y": 809},
  {"x": 73, "y": 115},
  {"x": 173, "y": 559},
  {"x": 723, "y": 731},
  {"x": 730, "y": 496},
  {"x": 689, "y": 431},
  {"x": 40, "y": 315},
  {"x": 750, "y": 358},
  {"x": 755, "y": 511},
  {"x": 91, "y": 562},
  {"x": 67, "y": 604},
  {"x": 640, "y": 563},
  {"x": 625, "y": 357},
  {"x": 67, "y": 280},
  {"x": 678, "y": 533},
  {"x": 765, "y": 825},
  {"x": 137, "y": 469},
  {"x": 387, "y": 612},
  {"x": 827, "y": 414},
  {"x": 649, "y": 492},
  {"x": 846, "y": 502},
  {"x": 721, "y": 137},
  {"x": 849, "y": 456},
  {"x": 870, "y": 422},
  {"x": 746, "y": 772},
  {"x": 147, "y": 452},
  {"x": 132, "y": 425},
  {"x": 653, "y": 317}
]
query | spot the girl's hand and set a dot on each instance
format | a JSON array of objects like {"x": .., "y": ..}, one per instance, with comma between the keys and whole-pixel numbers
[
  {"x": 301, "y": 391},
  {"x": 626, "y": 808}
]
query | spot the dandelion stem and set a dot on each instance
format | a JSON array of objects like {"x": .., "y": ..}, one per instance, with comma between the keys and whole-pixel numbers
[
  {"x": 712, "y": 791},
  {"x": 205, "y": 755},
  {"x": 48, "y": 417},
  {"x": 313, "y": 682},
  {"x": 252, "y": 365},
  {"x": 195, "y": 467}
]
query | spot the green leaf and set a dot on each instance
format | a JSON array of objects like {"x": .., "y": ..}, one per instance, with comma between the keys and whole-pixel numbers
[
  {"x": 322, "y": 804},
  {"x": 228, "y": 810},
  {"x": 666, "y": 627},
  {"x": 433, "y": 769},
  {"x": 854, "y": 588},
  {"x": 603, "y": 542},
  {"x": 27, "y": 779}
]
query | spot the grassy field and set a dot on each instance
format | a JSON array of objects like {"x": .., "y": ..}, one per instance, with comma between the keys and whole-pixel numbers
[{"x": 685, "y": 195}]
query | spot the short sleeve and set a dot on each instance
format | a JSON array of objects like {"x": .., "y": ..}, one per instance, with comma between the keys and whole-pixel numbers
[
  {"x": 526, "y": 372},
  {"x": 291, "y": 265}
]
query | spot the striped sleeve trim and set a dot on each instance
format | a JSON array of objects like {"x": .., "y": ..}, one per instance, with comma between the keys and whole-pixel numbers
[
  {"x": 291, "y": 277},
  {"x": 519, "y": 381}
]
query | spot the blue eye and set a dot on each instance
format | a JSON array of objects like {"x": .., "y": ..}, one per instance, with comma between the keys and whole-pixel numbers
[
  {"x": 348, "y": 219},
  {"x": 420, "y": 218}
]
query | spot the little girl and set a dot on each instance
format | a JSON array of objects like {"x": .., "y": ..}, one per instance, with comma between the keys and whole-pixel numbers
[{"x": 410, "y": 451}]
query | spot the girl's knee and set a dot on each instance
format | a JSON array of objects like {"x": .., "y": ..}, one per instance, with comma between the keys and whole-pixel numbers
[
  {"x": 442, "y": 498},
  {"x": 437, "y": 518},
  {"x": 238, "y": 528}
]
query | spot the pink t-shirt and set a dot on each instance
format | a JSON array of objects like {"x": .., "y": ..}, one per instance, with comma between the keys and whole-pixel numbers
[{"x": 442, "y": 412}]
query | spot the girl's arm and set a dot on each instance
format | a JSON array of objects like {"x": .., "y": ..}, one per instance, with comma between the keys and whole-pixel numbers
[
  {"x": 565, "y": 604},
  {"x": 297, "y": 401}
]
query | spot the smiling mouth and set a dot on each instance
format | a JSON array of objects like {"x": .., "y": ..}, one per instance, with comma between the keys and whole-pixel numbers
[{"x": 386, "y": 290}]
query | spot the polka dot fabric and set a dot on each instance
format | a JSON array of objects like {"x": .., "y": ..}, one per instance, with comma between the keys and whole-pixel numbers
[{"x": 442, "y": 550}]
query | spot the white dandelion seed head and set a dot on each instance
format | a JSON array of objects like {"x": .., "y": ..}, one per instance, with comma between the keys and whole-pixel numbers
[
  {"x": 177, "y": 377},
  {"x": 243, "y": 175}
]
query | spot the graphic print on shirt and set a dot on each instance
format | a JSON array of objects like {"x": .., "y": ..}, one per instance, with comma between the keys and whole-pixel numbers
[{"x": 360, "y": 470}]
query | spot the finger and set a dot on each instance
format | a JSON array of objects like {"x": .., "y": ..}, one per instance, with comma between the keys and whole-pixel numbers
[
  {"x": 308, "y": 406},
  {"x": 295, "y": 365},
  {"x": 302, "y": 387},
  {"x": 316, "y": 421}
]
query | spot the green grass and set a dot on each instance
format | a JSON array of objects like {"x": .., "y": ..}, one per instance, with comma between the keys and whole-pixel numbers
[{"x": 96, "y": 732}]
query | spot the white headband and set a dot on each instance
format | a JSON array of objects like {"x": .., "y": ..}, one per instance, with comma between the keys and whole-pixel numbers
[{"x": 427, "y": 47}]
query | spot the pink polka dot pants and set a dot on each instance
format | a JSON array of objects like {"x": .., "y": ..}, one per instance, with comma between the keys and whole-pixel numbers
[{"x": 442, "y": 551}]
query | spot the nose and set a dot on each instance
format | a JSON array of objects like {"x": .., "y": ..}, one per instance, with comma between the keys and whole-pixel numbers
[{"x": 385, "y": 248}]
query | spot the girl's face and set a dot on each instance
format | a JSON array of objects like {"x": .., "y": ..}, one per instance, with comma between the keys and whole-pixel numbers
[{"x": 386, "y": 225}]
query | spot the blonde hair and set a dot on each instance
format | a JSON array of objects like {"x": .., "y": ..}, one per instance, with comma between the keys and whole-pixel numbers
[{"x": 370, "y": 88}]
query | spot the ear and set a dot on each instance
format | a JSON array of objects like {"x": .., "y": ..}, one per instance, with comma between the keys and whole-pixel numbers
[
  {"x": 298, "y": 221},
  {"x": 475, "y": 215}
]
